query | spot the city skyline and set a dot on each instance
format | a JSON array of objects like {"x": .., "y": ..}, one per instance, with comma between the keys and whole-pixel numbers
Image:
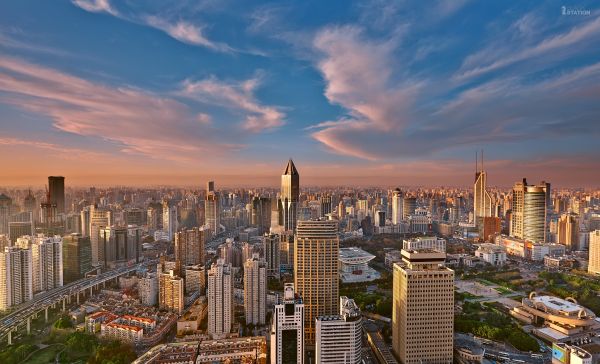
[{"x": 108, "y": 94}]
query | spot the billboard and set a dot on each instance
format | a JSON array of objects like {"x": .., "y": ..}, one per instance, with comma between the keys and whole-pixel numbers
[{"x": 559, "y": 355}]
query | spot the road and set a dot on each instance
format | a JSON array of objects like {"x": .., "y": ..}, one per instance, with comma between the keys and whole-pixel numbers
[{"x": 22, "y": 312}]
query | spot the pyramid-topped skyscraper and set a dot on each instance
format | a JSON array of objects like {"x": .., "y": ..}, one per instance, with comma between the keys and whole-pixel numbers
[{"x": 289, "y": 198}]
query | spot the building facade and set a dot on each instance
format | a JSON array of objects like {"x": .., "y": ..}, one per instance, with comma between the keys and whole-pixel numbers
[
  {"x": 287, "y": 328},
  {"x": 255, "y": 290},
  {"x": 220, "y": 299},
  {"x": 339, "y": 337}
]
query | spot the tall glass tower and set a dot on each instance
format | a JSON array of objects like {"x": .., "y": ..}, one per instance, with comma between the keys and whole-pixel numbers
[{"x": 290, "y": 196}]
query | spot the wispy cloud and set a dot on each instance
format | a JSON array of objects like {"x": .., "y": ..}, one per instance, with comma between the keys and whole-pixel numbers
[
  {"x": 239, "y": 96},
  {"x": 496, "y": 57},
  {"x": 135, "y": 120},
  {"x": 97, "y": 6},
  {"x": 187, "y": 32}
]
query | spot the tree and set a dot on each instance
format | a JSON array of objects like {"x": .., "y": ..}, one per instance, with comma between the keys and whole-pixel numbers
[{"x": 113, "y": 352}]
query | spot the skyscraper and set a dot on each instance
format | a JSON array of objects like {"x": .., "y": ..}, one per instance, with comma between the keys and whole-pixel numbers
[
  {"x": 409, "y": 205},
  {"x": 77, "y": 257},
  {"x": 261, "y": 214},
  {"x": 528, "y": 212},
  {"x": 5, "y": 212},
  {"x": 119, "y": 244},
  {"x": 56, "y": 189},
  {"x": 568, "y": 231},
  {"x": 170, "y": 223},
  {"x": 326, "y": 205},
  {"x": 482, "y": 201},
  {"x": 46, "y": 261},
  {"x": 287, "y": 328},
  {"x": 272, "y": 249},
  {"x": 316, "y": 271},
  {"x": 289, "y": 198},
  {"x": 189, "y": 246},
  {"x": 397, "y": 207},
  {"x": 594, "y": 254},
  {"x": 16, "y": 277},
  {"x": 220, "y": 296},
  {"x": 212, "y": 209},
  {"x": 339, "y": 337},
  {"x": 423, "y": 308},
  {"x": 255, "y": 290},
  {"x": 99, "y": 219}
]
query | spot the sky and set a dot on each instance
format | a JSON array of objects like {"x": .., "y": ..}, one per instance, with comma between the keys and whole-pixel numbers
[{"x": 357, "y": 92}]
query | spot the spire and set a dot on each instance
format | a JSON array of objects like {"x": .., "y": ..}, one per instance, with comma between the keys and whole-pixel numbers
[{"x": 290, "y": 169}]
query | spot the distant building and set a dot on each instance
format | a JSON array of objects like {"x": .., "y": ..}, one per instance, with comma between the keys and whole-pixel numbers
[
  {"x": 119, "y": 244},
  {"x": 339, "y": 337},
  {"x": 287, "y": 328},
  {"x": 528, "y": 211},
  {"x": 272, "y": 251},
  {"x": 56, "y": 190},
  {"x": 220, "y": 299},
  {"x": 491, "y": 253},
  {"x": 195, "y": 279},
  {"x": 527, "y": 249},
  {"x": 170, "y": 292},
  {"x": 594, "y": 258},
  {"x": 409, "y": 206},
  {"x": 16, "y": 277},
  {"x": 482, "y": 201},
  {"x": 189, "y": 246},
  {"x": 212, "y": 209},
  {"x": 354, "y": 266},
  {"x": 255, "y": 290},
  {"x": 397, "y": 207},
  {"x": 428, "y": 242},
  {"x": 568, "y": 231},
  {"x": 148, "y": 290},
  {"x": 77, "y": 257},
  {"x": 289, "y": 198},
  {"x": 170, "y": 222}
]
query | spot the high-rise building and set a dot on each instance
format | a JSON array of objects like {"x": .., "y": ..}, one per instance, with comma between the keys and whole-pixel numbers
[
  {"x": 212, "y": 209},
  {"x": 49, "y": 218},
  {"x": 482, "y": 201},
  {"x": 326, "y": 205},
  {"x": 423, "y": 308},
  {"x": 397, "y": 207},
  {"x": 148, "y": 290},
  {"x": 528, "y": 212},
  {"x": 255, "y": 290},
  {"x": 316, "y": 271},
  {"x": 272, "y": 250},
  {"x": 119, "y": 244},
  {"x": 56, "y": 190},
  {"x": 289, "y": 197},
  {"x": 568, "y": 231},
  {"x": 170, "y": 223},
  {"x": 16, "y": 277},
  {"x": 189, "y": 246},
  {"x": 170, "y": 291},
  {"x": 594, "y": 258},
  {"x": 21, "y": 224},
  {"x": 29, "y": 203},
  {"x": 287, "y": 328},
  {"x": 99, "y": 219},
  {"x": 195, "y": 279},
  {"x": 46, "y": 261},
  {"x": 220, "y": 296},
  {"x": 339, "y": 337},
  {"x": 261, "y": 214},
  {"x": 409, "y": 205},
  {"x": 77, "y": 257}
]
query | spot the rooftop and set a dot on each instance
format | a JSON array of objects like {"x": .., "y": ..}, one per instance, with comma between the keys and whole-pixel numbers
[{"x": 558, "y": 304}]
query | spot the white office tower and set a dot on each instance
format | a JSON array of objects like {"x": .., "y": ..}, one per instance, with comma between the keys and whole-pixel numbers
[
  {"x": 339, "y": 337},
  {"x": 170, "y": 224},
  {"x": 46, "y": 260},
  {"x": 16, "y": 277},
  {"x": 255, "y": 290},
  {"x": 220, "y": 295},
  {"x": 482, "y": 201},
  {"x": 148, "y": 290},
  {"x": 397, "y": 206},
  {"x": 594, "y": 258},
  {"x": 423, "y": 308},
  {"x": 287, "y": 329}
]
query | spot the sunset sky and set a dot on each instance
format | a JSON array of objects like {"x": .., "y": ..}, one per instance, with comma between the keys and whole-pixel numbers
[{"x": 357, "y": 93}]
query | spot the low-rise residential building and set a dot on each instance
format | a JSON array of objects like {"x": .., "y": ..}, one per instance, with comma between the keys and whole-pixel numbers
[{"x": 492, "y": 254}]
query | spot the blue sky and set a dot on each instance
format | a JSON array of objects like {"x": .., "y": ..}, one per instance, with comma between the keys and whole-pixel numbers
[{"x": 356, "y": 92}]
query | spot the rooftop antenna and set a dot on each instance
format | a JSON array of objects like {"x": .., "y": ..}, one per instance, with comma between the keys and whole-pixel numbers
[
  {"x": 476, "y": 163},
  {"x": 482, "y": 160}
]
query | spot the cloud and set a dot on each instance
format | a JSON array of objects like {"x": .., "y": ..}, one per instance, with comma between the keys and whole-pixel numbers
[
  {"x": 96, "y": 6},
  {"x": 134, "y": 121},
  {"x": 496, "y": 57},
  {"x": 358, "y": 76},
  {"x": 181, "y": 30},
  {"x": 239, "y": 96},
  {"x": 186, "y": 32}
]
